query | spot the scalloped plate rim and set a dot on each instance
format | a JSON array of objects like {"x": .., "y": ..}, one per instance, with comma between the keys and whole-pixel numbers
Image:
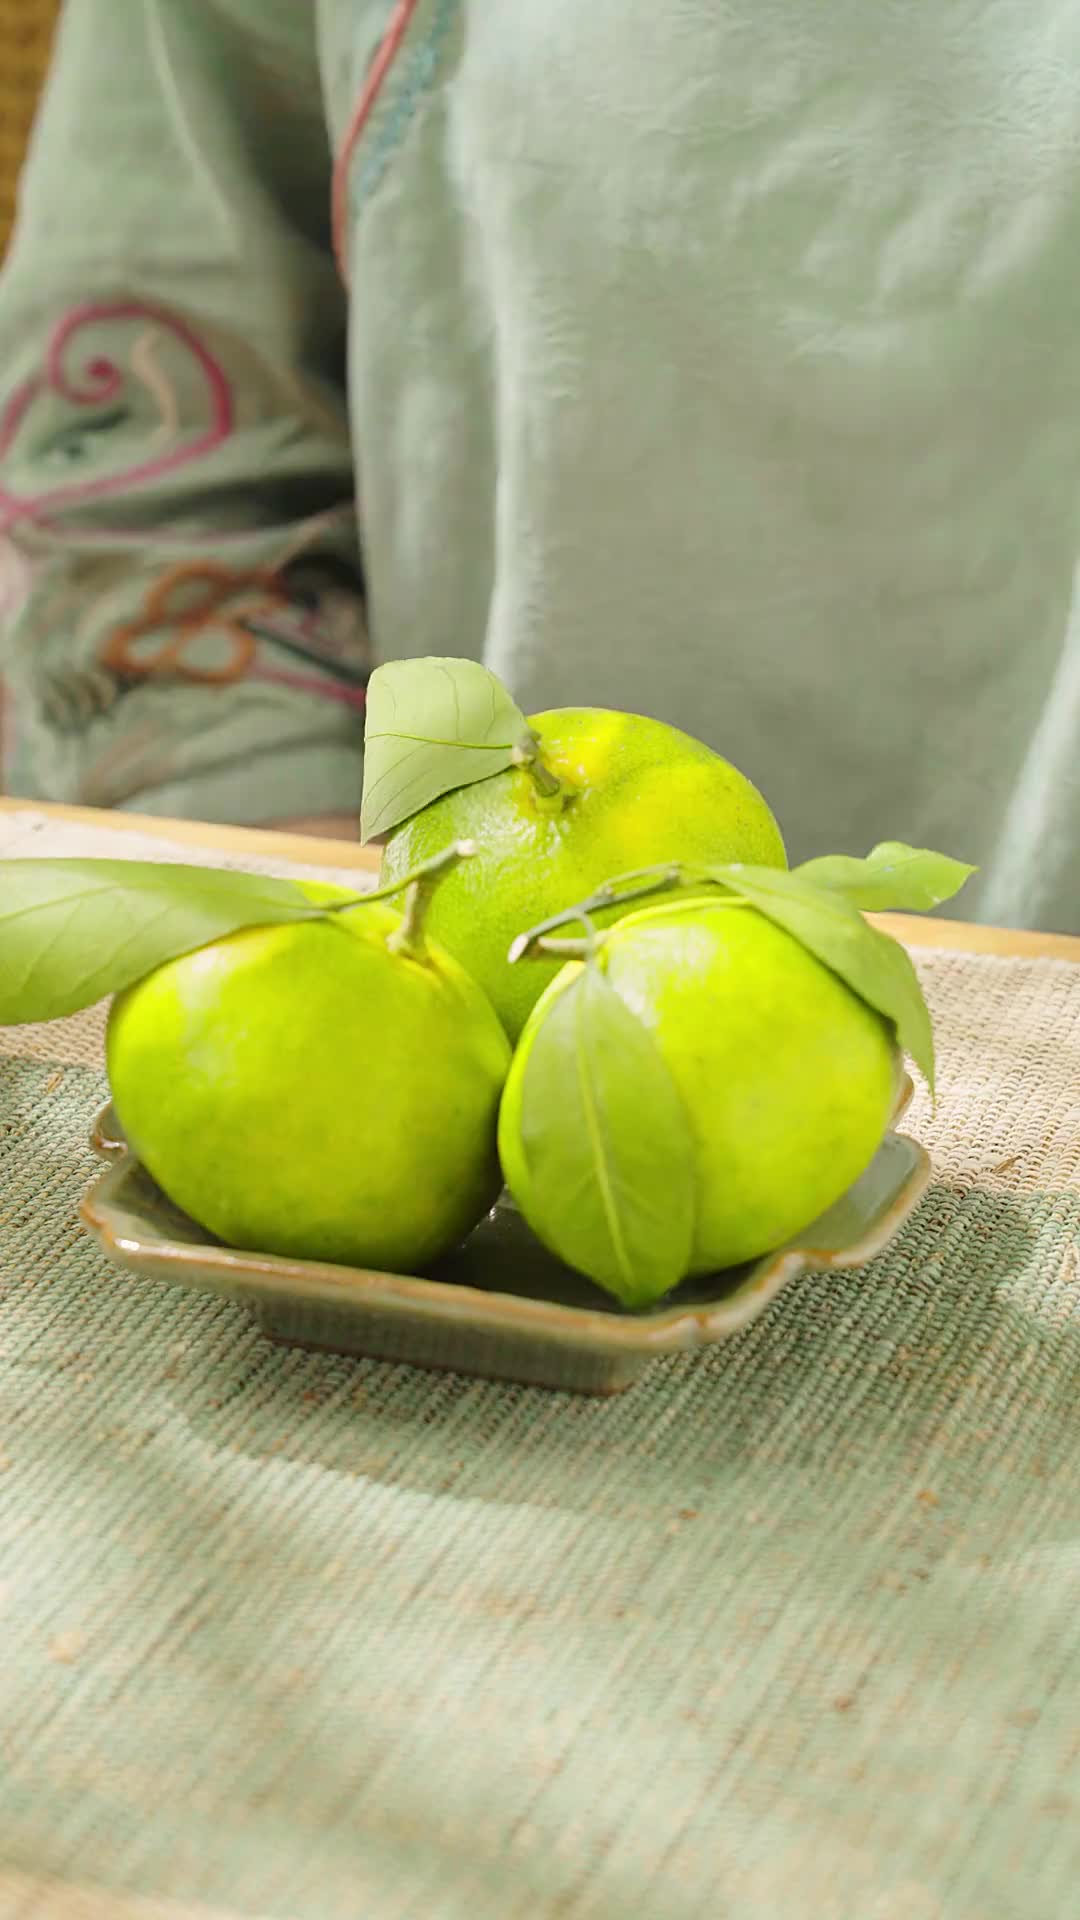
[{"x": 670, "y": 1328}]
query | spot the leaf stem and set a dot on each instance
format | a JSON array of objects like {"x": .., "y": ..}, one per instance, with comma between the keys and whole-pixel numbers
[
  {"x": 637, "y": 885},
  {"x": 439, "y": 862},
  {"x": 567, "y": 949}
]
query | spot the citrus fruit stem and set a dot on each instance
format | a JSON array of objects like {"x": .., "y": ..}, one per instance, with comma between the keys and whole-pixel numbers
[
  {"x": 439, "y": 863},
  {"x": 419, "y": 885},
  {"x": 641, "y": 884},
  {"x": 527, "y": 755}
]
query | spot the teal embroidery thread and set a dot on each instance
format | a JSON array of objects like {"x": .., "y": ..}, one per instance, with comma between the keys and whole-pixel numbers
[{"x": 420, "y": 66}]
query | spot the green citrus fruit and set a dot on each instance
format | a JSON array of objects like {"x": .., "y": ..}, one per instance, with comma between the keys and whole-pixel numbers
[
  {"x": 786, "y": 1078},
  {"x": 633, "y": 793},
  {"x": 305, "y": 1090}
]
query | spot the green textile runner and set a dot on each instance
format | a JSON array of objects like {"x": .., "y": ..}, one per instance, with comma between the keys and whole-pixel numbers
[{"x": 792, "y": 1629}]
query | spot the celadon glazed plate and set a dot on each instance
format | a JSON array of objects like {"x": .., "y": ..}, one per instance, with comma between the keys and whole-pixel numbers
[{"x": 502, "y": 1306}]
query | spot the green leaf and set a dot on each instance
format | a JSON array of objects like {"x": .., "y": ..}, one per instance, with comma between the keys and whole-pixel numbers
[
  {"x": 432, "y": 725},
  {"x": 72, "y": 931},
  {"x": 873, "y": 965},
  {"x": 607, "y": 1145},
  {"x": 892, "y": 878}
]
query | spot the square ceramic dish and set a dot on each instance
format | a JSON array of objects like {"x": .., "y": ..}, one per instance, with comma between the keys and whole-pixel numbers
[{"x": 501, "y": 1307}]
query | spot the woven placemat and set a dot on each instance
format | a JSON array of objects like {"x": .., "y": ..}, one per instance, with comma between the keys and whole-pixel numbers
[{"x": 790, "y": 1629}]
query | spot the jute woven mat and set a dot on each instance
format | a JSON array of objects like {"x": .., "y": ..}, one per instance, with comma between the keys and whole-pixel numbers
[{"x": 792, "y": 1629}]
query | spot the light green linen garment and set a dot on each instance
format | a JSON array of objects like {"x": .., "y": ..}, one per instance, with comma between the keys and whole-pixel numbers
[{"x": 716, "y": 360}]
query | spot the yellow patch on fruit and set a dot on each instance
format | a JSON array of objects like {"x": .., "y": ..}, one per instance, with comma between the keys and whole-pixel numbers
[
  {"x": 304, "y": 1090},
  {"x": 633, "y": 793}
]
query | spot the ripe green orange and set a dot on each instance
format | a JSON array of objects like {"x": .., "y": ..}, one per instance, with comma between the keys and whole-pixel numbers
[
  {"x": 304, "y": 1090},
  {"x": 633, "y": 793},
  {"x": 787, "y": 1079}
]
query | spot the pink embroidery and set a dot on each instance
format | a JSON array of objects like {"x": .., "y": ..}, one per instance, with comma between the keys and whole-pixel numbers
[
  {"x": 391, "y": 45},
  {"x": 346, "y": 696},
  {"x": 99, "y": 382},
  {"x": 90, "y": 539},
  {"x": 194, "y": 601}
]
